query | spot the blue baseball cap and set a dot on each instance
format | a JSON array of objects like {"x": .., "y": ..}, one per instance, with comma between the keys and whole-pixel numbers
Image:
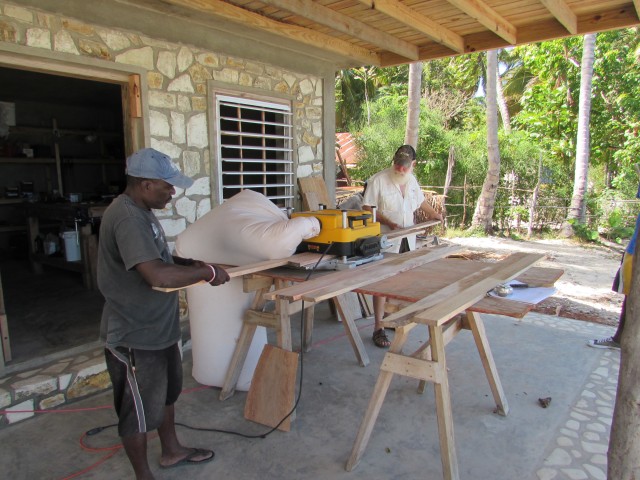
[{"x": 150, "y": 163}]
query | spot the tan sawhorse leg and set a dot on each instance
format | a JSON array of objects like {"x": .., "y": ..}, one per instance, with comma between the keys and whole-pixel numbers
[
  {"x": 428, "y": 364},
  {"x": 280, "y": 321},
  {"x": 473, "y": 322}
]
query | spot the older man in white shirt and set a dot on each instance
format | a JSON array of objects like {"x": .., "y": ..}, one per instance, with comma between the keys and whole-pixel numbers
[{"x": 396, "y": 194}]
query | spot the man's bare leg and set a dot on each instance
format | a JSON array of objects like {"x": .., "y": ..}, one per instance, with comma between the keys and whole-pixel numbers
[
  {"x": 136, "y": 448},
  {"x": 172, "y": 450}
]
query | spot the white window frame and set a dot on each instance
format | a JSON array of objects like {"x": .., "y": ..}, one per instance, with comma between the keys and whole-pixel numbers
[{"x": 252, "y": 159}]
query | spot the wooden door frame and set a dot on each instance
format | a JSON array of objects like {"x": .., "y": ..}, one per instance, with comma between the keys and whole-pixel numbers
[{"x": 131, "y": 79}]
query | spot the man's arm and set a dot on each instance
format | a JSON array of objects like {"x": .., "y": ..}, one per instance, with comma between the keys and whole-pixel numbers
[
  {"x": 382, "y": 219},
  {"x": 426, "y": 207},
  {"x": 169, "y": 275}
]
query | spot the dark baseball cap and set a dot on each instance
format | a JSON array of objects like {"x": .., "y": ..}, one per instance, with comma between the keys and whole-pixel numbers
[{"x": 150, "y": 163}]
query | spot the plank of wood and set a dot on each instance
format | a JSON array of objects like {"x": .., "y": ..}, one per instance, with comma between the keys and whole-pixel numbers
[
  {"x": 416, "y": 284},
  {"x": 344, "y": 281},
  {"x": 540, "y": 277},
  {"x": 507, "y": 269},
  {"x": 299, "y": 260},
  {"x": 501, "y": 306},
  {"x": 403, "y": 232},
  {"x": 272, "y": 391},
  {"x": 4, "y": 331},
  {"x": 451, "y": 289},
  {"x": 314, "y": 191}
]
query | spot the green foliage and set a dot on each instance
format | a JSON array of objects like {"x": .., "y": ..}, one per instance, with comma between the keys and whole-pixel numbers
[
  {"x": 583, "y": 232},
  {"x": 541, "y": 85}
]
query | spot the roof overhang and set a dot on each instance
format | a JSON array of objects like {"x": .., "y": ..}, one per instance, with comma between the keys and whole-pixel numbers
[{"x": 390, "y": 32}]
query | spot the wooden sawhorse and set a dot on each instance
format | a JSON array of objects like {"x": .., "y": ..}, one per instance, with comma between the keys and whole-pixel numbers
[
  {"x": 439, "y": 309},
  {"x": 280, "y": 321}
]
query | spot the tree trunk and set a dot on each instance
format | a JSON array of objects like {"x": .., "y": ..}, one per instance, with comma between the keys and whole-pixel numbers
[
  {"x": 413, "y": 105},
  {"x": 483, "y": 214},
  {"x": 502, "y": 105},
  {"x": 577, "y": 209},
  {"x": 624, "y": 443}
]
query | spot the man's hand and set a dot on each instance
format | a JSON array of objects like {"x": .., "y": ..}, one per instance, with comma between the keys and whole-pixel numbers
[{"x": 221, "y": 276}]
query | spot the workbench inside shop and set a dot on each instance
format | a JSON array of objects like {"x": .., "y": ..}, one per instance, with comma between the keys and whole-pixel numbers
[
  {"x": 55, "y": 219},
  {"x": 422, "y": 287}
]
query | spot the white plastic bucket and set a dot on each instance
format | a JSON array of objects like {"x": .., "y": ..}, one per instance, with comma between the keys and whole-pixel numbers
[{"x": 71, "y": 246}]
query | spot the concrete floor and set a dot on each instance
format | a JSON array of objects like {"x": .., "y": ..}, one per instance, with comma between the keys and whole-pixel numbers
[
  {"x": 538, "y": 357},
  {"x": 47, "y": 313}
]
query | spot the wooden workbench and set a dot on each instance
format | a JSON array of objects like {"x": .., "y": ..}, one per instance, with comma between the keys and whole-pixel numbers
[
  {"x": 288, "y": 289},
  {"x": 435, "y": 295}
]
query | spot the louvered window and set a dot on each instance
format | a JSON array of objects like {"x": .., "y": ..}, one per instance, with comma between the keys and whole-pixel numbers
[{"x": 255, "y": 147}]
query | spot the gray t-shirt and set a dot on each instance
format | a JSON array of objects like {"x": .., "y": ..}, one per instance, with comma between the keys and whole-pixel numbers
[{"x": 134, "y": 315}]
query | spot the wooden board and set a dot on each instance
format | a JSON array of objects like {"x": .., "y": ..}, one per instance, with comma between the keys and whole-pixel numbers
[
  {"x": 5, "y": 352},
  {"x": 344, "y": 281},
  {"x": 417, "y": 283},
  {"x": 404, "y": 232},
  {"x": 313, "y": 191},
  {"x": 272, "y": 392},
  {"x": 298, "y": 260},
  {"x": 447, "y": 297}
]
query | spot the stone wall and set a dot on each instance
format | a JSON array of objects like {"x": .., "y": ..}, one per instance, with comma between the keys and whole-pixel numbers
[{"x": 177, "y": 95}]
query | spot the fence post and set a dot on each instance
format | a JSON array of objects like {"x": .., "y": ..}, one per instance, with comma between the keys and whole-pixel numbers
[
  {"x": 464, "y": 201},
  {"x": 534, "y": 199},
  {"x": 447, "y": 182}
]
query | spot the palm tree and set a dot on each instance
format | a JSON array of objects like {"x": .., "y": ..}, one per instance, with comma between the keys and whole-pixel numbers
[
  {"x": 413, "y": 105},
  {"x": 483, "y": 214},
  {"x": 577, "y": 209}
]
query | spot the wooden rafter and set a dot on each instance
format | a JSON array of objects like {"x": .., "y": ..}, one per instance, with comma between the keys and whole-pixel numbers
[
  {"x": 298, "y": 34},
  {"x": 419, "y": 22},
  {"x": 351, "y": 33},
  {"x": 488, "y": 17},
  {"x": 536, "y": 32},
  {"x": 345, "y": 24},
  {"x": 563, "y": 13}
]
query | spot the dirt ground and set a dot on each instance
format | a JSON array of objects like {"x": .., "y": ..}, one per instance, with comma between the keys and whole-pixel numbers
[{"x": 584, "y": 291}]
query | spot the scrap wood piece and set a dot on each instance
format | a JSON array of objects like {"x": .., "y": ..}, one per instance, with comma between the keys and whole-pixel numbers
[
  {"x": 491, "y": 274},
  {"x": 314, "y": 191},
  {"x": 272, "y": 392},
  {"x": 344, "y": 281}
]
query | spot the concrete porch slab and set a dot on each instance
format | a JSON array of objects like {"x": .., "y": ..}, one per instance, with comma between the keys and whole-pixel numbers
[{"x": 538, "y": 357}]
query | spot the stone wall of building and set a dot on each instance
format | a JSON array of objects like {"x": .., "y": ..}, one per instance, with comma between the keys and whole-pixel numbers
[{"x": 177, "y": 100}]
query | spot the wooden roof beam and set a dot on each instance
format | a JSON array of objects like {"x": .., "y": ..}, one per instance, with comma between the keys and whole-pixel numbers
[
  {"x": 342, "y": 23},
  {"x": 419, "y": 22},
  {"x": 611, "y": 19},
  {"x": 488, "y": 17},
  {"x": 563, "y": 13},
  {"x": 220, "y": 9}
]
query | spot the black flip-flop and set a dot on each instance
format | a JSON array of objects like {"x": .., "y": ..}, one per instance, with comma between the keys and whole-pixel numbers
[{"x": 189, "y": 459}]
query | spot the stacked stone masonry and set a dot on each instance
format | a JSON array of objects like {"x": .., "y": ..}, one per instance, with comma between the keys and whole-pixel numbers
[
  {"x": 177, "y": 98},
  {"x": 24, "y": 394}
]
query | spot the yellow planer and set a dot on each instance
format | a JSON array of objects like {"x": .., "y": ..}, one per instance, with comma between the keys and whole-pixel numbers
[{"x": 353, "y": 235}]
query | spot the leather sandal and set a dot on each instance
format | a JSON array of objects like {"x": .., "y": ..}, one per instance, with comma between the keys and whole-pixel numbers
[{"x": 380, "y": 339}]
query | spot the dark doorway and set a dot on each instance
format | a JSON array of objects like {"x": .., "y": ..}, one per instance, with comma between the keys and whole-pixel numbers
[{"x": 61, "y": 162}]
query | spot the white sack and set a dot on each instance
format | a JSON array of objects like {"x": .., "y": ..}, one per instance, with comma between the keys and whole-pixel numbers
[{"x": 245, "y": 229}]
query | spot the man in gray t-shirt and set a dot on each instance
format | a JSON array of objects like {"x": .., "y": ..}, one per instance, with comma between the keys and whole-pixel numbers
[{"x": 140, "y": 325}]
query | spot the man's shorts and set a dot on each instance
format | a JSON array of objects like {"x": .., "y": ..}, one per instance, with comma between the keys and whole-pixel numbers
[{"x": 144, "y": 383}]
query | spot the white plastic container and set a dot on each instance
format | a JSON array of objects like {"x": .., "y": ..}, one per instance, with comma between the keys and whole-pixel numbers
[{"x": 71, "y": 246}]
